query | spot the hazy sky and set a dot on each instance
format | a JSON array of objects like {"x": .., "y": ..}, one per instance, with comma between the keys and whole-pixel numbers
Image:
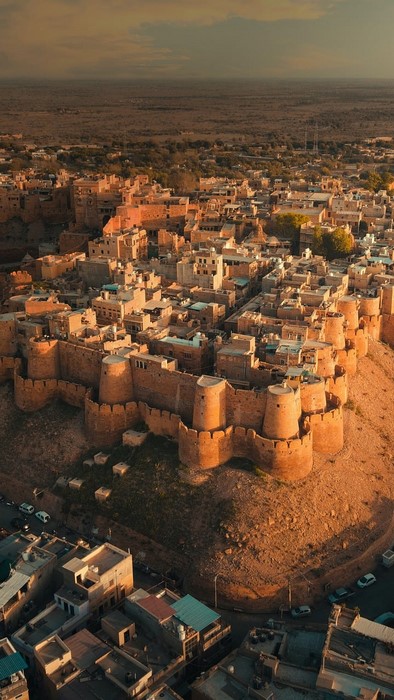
[{"x": 196, "y": 38}]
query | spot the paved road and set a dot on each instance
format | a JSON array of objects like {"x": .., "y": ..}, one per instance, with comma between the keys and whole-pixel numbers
[{"x": 372, "y": 601}]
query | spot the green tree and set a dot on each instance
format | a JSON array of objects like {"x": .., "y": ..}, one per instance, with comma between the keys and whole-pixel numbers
[
  {"x": 332, "y": 244},
  {"x": 287, "y": 225},
  {"x": 373, "y": 182}
]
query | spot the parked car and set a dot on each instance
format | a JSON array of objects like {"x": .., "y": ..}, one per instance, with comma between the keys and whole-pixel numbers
[
  {"x": 340, "y": 594},
  {"x": 301, "y": 611},
  {"x": 366, "y": 580},
  {"x": 26, "y": 509},
  {"x": 43, "y": 516},
  {"x": 386, "y": 618},
  {"x": 2, "y": 498},
  {"x": 20, "y": 524},
  {"x": 11, "y": 504}
]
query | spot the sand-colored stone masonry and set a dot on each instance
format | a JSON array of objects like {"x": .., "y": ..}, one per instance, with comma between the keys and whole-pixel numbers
[
  {"x": 277, "y": 427},
  {"x": 8, "y": 366}
]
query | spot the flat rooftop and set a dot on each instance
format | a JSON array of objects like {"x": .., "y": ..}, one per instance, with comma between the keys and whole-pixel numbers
[
  {"x": 124, "y": 668},
  {"x": 105, "y": 558},
  {"x": 43, "y": 626}
]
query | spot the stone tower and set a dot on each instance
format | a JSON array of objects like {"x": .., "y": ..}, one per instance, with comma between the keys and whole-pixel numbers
[
  {"x": 43, "y": 359},
  {"x": 348, "y": 306},
  {"x": 116, "y": 382},
  {"x": 281, "y": 413},
  {"x": 209, "y": 412},
  {"x": 333, "y": 329}
]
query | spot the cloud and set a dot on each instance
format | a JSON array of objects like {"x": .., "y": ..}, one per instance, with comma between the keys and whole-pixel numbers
[
  {"x": 202, "y": 12},
  {"x": 62, "y": 38}
]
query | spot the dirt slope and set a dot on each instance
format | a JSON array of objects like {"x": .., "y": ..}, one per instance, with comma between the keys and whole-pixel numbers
[{"x": 255, "y": 533}]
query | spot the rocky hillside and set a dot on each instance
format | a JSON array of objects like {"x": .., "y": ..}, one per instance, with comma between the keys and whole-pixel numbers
[{"x": 257, "y": 534}]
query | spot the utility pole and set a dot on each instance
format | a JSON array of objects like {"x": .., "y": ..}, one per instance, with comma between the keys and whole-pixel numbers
[
  {"x": 215, "y": 605},
  {"x": 316, "y": 140},
  {"x": 289, "y": 592}
]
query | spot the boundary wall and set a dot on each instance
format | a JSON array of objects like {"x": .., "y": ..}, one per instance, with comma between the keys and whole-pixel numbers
[
  {"x": 80, "y": 364},
  {"x": 105, "y": 424},
  {"x": 33, "y": 394},
  {"x": 388, "y": 329},
  {"x": 283, "y": 459},
  {"x": 338, "y": 385},
  {"x": 8, "y": 366}
]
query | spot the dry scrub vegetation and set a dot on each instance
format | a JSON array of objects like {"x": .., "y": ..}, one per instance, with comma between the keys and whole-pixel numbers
[{"x": 253, "y": 530}]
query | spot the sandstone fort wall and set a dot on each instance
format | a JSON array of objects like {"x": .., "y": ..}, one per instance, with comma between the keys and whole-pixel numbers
[
  {"x": 347, "y": 358},
  {"x": 169, "y": 391},
  {"x": 160, "y": 422},
  {"x": 388, "y": 329},
  {"x": 80, "y": 364},
  {"x": 245, "y": 408},
  {"x": 33, "y": 394},
  {"x": 327, "y": 430},
  {"x": 105, "y": 424},
  {"x": 204, "y": 449},
  {"x": 9, "y": 365},
  {"x": 338, "y": 384},
  {"x": 8, "y": 341}
]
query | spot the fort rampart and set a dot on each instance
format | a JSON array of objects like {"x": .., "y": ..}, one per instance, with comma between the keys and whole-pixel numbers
[
  {"x": 105, "y": 424},
  {"x": 338, "y": 384},
  {"x": 8, "y": 365},
  {"x": 33, "y": 394},
  {"x": 277, "y": 428}
]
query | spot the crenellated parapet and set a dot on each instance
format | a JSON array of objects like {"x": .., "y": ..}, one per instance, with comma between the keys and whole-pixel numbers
[
  {"x": 204, "y": 449},
  {"x": 327, "y": 429},
  {"x": 8, "y": 366},
  {"x": 33, "y": 394},
  {"x": 347, "y": 358},
  {"x": 338, "y": 385},
  {"x": 105, "y": 424},
  {"x": 160, "y": 422},
  {"x": 8, "y": 339},
  {"x": 283, "y": 459}
]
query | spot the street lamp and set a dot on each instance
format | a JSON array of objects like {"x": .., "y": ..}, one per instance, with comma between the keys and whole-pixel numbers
[{"x": 215, "y": 591}]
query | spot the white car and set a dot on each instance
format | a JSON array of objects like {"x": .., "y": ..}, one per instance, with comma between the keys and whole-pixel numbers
[
  {"x": 366, "y": 580},
  {"x": 43, "y": 516},
  {"x": 301, "y": 611},
  {"x": 26, "y": 509}
]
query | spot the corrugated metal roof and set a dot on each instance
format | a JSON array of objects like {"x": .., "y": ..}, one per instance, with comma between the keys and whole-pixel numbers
[
  {"x": 11, "y": 587},
  {"x": 198, "y": 306},
  {"x": 373, "y": 630},
  {"x": 11, "y": 664},
  {"x": 193, "y": 613}
]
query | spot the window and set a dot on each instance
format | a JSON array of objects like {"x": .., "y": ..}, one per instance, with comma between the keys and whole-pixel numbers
[{"x": 140, "y": 364}]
